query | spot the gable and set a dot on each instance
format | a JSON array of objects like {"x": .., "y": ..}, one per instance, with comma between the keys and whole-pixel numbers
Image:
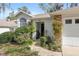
[
  {"x": 22, "y": 13},
  {"x": 22, "y": 16}
]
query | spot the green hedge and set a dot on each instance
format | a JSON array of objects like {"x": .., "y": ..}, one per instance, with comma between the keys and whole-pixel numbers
[{"x": 6, "y": 37}]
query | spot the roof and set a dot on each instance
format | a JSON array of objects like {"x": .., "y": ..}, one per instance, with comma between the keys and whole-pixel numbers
[
  {"x": 4, "y": 23},
  {"x": 41, "y": 16},
  {"x": 74, "y": 10}
]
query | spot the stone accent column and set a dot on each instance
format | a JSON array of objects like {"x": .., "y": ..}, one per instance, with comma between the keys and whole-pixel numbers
[{"x": 57, "y": 29}]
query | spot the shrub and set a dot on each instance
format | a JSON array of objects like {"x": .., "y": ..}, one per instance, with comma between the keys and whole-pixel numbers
[
  {"x": 43, "y": 41},
  {"x": 55, "y": 48},
  {"x": 21, "y": 30},
  {"x": 24, "y": 39},
  {"x": 27, "y": 30},
  {"x": 32, "y": 28},
  {"x": 21, "y": 51},
  {"x": 49, "y": 42},
  {"x": 46, "y": 42},
  {"x": 28, "y": 42},
  {"x": 20, "y": 39},
  {"x": 6, "y": 37}
]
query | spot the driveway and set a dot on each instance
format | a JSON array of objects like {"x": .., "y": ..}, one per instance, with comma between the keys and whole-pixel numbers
[
  {"x": 70, "y": 46},
  {"x": 70, "y": 51}
]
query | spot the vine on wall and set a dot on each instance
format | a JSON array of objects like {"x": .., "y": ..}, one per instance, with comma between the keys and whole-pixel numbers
[{"x": 57, "y": 29}]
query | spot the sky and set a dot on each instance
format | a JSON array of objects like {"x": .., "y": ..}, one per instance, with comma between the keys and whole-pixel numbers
[{"x": 33, "y": 7}]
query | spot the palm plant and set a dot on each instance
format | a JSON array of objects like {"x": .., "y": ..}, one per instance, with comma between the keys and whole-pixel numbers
[
  {"x": 73, "y": 4},
  {"x": 67, "y": 5},
  {"x": 4, "y": 7}
]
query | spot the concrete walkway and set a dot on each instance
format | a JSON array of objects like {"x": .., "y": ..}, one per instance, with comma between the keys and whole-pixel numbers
[
  {"x": 70, "y": 51},
  {"x": 45, "y": 52}
]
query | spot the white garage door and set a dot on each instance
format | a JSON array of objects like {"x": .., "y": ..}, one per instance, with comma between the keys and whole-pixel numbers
[
  {"x": 70, "y": 32},
  {"x": 71, "y": 41},
  {"x": 2, "y": 30}
]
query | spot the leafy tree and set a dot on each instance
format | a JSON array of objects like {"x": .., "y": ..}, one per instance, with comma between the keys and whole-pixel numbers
[
  {"x": 50, "y": 7},
  {"x": 73, "y": 4},
  {"x": 11, "y": 16},
  {"x": 70, "y": 5},
  {"x": 25, "y": 9}
]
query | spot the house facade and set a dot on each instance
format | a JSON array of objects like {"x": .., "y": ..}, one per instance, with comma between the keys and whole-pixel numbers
[
  {"x": 43, "y": 24},
  {"x": 42, "y": 21},
  {"x": 68, "y": 17}
]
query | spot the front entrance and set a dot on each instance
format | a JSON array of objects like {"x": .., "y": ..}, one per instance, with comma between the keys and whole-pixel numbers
[
  {"x": 39, "y": 29},
  {"x": 42, "y": 29}
]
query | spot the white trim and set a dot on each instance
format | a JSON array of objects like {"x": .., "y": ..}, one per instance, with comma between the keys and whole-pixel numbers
[{"x": 23, "y": 12}]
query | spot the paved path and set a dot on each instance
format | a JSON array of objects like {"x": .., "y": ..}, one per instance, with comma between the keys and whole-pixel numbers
[
  {"x": 70, "y": 51},
  {"x": 45, "y": 52}
]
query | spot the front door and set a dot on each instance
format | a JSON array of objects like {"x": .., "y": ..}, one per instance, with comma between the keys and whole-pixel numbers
[
  {"x": 42, "y": 29},
  {"x": 39, "y": 29}
]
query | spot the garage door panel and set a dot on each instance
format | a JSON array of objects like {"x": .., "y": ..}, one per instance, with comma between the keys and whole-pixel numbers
[{"x": 71, "y": 41}]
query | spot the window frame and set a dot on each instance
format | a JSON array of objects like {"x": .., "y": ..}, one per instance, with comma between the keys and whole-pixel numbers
[
  {"x": 68, "y": 21},
  {"x": 76, "y": 22}
]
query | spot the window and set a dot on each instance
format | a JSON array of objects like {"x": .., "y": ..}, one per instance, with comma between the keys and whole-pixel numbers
[
  {"x": 68, "y": 21},
  {"x": 22, "y": 22},
  {"x": 76, "y": 21}
]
